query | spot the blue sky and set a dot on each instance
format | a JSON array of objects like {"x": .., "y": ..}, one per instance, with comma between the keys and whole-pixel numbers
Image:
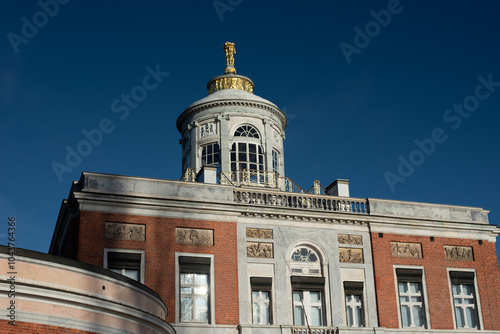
[{"x": 362, "y": 83}]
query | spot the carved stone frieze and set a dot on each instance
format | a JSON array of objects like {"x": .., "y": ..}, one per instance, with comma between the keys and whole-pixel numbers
[
  {"x": 259, "y": 233},
  {"x": 208, "y": 129},
  {"x": 192, "y": 236},
  {"x": 406, "y": 249},
  {"x": 351, "y": 255},
  {"x": 260, "y": 249},
  {"x": 458, "y": 253},
  {"x": 350, "y": 239},
  {"x": 121, "y": 231}
]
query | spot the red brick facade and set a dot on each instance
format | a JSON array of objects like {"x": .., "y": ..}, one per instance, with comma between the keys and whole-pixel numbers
[
  {"x": 31, "y": 328},
  {"x": 434, "y": 263},
  {"x": 160, "y": 249}
]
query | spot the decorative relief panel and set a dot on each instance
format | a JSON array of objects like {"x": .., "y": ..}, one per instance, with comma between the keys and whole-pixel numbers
[
  {"x": 276, "y": 136},
  {"x": 191, "y": 236},
  {"x": 259, "y": 233},
  {"x": 350, "y": 239},
  {"x": 351, "y": 255},
  {"x": 208, "y": 129},
  {"x": 260, "y": 249},
  {"x": 122, "y": 231},
  {"x": 458, "y": 253},
  {"x": 405, "y": 249}
]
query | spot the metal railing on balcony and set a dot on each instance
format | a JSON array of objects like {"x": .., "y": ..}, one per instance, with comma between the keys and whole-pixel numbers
[
  {"x": 259, "y": 178},
  {"x": 189, "y": 175}
]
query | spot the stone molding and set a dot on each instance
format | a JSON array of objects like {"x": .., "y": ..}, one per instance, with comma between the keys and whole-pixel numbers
[{"x": 222, "y": 103}]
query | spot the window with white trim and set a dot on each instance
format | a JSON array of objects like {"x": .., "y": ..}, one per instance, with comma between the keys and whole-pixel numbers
[
  {"x": 246, "y": 131},
  {"x": 210, "y": 154},
  {"x": 194, "y": 289},
  {"x": 308, "y": 307},
  {"x": 125, "y": 262},
  {"x": 247, "y": 156},
  {"x": 308, "y": 287},
  {"x": 464, "y": 299},
  {"x": 275, "y": 161},
  {"x": 261, "y": 300},
  {"x": 354, "y": 307},
  {"x": 411, "y": 297}
]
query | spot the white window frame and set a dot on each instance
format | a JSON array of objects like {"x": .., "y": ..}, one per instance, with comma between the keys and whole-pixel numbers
[
  {"x": 307, "y": 305},
  {"x": 363, "y": 302},
  {"x": 477, "y": 297},
  {"x": 322, "y": 265},
  {"x": 205, "y": 146},
  {"x": 211, "y": 287},
  {"x": 427, "y": 320},
  {"x": 262, "y": 302},
  {"x": 142, "y": 265}
]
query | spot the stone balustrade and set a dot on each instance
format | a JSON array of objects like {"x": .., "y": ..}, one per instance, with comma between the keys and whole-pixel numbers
[{"x": 301, "y": 201}]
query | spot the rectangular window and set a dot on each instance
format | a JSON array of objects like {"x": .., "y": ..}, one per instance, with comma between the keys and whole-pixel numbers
[
  {"x": 194, "y": 289},
  {"x": 354, "y": 304},
  {"x": 261, "y": 300},
  {"x": 125, "y": 262},
  {"x": 308, "y": 300},
  {"x": 275, "y": 161},
  {"x": 411, "y": 297},
  {"x": 210, "y": 154},
  {"x": 464, "y": 299}
]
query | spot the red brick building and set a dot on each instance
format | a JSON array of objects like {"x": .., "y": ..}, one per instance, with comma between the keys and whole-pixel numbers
[{"x": 237, "y": 247}]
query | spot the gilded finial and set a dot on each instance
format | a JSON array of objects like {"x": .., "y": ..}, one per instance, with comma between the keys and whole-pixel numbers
[{"x": 230, "y": 50}]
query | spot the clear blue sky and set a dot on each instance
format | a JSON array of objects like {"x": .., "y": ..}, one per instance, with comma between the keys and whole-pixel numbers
[{"x": 349, "y": 117}]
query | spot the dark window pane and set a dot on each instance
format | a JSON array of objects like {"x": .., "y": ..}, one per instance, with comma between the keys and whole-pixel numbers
[
  {"x": 209, "y": 149},
  {"x": 233, "y": 148},
  {"x": 242, "y": 157},
  {"x": 242, "y": 147},
  {"x": 204, "y": 151},
  {"x": 252, "y": 148},
  {"x": 243, "y": 166},
  {"x": 253, "y": 166},
  {"x": 260, "y": 149},
  {"x": 216, "y": 157},
  {"x": 253, "y": 157},
  {"x": 233, "y": 167},
  {"x": 233, "y": 156},
  {"x": 216, "y": 147},
  {"x": 209, "y": 159}
]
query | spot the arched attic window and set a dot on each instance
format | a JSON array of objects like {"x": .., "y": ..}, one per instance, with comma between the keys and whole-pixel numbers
[
  {"x": 246, "y": 131},
  {"x": 246, "y": 151}
]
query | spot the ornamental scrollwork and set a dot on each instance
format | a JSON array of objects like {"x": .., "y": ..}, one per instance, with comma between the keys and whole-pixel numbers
[
  {"x": 350, "y": 239},
  {"x": 259, "y": 233}
]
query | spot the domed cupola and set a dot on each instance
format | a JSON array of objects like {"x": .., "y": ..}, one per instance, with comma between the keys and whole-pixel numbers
[{"x": 233, "y": 129}]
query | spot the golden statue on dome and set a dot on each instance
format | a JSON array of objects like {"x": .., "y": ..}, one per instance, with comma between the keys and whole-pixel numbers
[{"x": 230, "y": 50}]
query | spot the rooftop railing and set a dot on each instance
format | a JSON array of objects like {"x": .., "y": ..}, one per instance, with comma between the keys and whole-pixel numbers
[{"x": 267, "y": 197}]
